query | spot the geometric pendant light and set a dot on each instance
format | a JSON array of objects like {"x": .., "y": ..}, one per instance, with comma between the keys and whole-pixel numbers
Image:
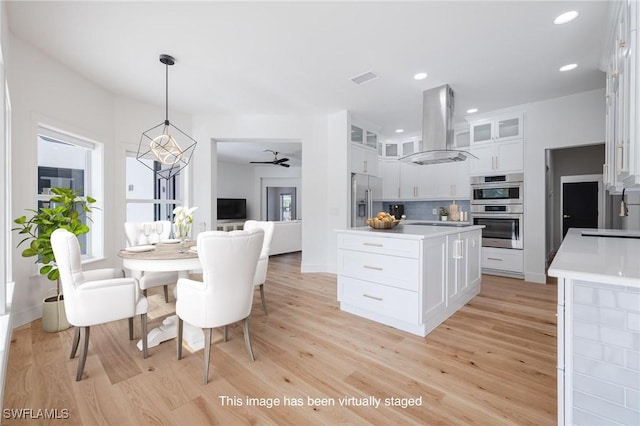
[{"x": 166, "y": 143}]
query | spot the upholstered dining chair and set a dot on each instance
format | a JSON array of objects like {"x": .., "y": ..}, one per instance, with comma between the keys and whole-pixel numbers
[
  {"x": 225, "y": 294},
  {"x": 94, "y": 297},
  {"x": 147, "y": 280},
  {"x": 263, "y": 262}
]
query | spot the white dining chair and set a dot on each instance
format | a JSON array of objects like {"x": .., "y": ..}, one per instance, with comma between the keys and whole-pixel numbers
[
  {"x": 225, "y": 294},
  {"x": 134, "y": 232},
  {"x": 263, "y": 263},
  {"x": 94, "y": 297}
]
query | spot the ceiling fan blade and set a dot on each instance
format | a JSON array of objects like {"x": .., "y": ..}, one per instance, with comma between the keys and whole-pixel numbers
[
  {"x": 261, "y": 162},
  {"x": 281, "y": 160},
  {"x": 283, "y": 164}
]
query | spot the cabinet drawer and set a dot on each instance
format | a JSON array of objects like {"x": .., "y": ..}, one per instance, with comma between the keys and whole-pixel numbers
[
  {"x": 502, "y": 259},
  {"x": 400, "y": 272},
  {"x": 373, "y": 244},
  {"x": 391, "y": 302}
]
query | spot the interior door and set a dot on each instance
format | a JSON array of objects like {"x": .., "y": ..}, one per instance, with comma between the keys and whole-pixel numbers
[{"x": 579, "y": 205}]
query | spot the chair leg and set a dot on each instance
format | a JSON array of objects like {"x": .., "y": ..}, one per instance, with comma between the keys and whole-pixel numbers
[
  {"x": 247, "y": 339},
  {"x": 143, "y": 321},
  {"x": 76, "y": 340},
  {"x": 207, "y": 354},
  {"x": 84, "y": 331},
  {"x": 166, "y": 294},
  {"x": 144, "y": 292},
  {"x": 179, "y": 339},
  {"x": 131, "y": 328},
  {"x": 225, "y": 332},
  {"x": 264, "y": 303}
]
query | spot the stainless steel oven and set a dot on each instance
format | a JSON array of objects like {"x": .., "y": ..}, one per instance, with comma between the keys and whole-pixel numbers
[
  {"x": 497, "y": 189},
  {"x": 503, "y": 226}
]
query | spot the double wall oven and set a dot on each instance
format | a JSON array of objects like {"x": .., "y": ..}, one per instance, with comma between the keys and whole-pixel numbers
[{"x": 497, "y": 203}]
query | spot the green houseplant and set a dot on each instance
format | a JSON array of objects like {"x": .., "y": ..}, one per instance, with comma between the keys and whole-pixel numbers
[
  {"x": 65, "y": 209},
  {"x": 444, "y": 213}
]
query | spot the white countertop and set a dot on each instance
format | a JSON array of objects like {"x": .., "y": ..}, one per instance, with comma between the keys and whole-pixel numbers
[
  {"x": 604, "y": 259},
  {"x": 407, "y": 231}
]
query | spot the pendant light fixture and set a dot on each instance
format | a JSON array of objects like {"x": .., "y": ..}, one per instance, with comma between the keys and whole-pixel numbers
[{"x": 169, "y": 147}]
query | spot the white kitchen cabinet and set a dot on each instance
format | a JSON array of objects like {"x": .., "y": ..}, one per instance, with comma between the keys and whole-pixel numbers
[
  {"x": 404, "y": 280},
  {"x": 364, "y": 160},
  {"x": 497, "y": 157},
  {"x": 390, "y": 174},
  {"x": 446, "y": 181},
  {"x": 499, "y": 128},
  {"x": 463, "y": 266},
  {"x": 397, "y": 149},
  {"x": 502, "y": 261},
  {"x": 409, "y": 181},
  {"x": 622, "y": 162}
]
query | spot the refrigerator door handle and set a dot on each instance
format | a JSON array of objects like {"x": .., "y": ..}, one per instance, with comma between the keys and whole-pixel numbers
[{"x": 369, "y": 202}]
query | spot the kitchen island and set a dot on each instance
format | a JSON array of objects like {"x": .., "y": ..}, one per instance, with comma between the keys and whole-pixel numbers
[
  {"x": 598, "y": 275},
  {"x": 412, "y": 277}
]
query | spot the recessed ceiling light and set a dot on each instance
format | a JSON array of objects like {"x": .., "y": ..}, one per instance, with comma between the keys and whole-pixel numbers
[
  {"x": 472, "y": 110},
  {"x": 420, "y": 76},
  {"x": 566, "y": 17},
  {"x": 399, "y": 130},
  {"x": 568, "y": 67}
]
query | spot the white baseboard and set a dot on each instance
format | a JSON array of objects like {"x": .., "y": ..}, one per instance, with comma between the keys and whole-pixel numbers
[
  {"x": 26, "y": 316},
  {"x": 6, "y": 328},
  {"x": 535, "y": 277}
]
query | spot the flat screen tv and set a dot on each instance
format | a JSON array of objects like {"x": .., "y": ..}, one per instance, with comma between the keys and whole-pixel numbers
[{"x": 232, "y": 208}]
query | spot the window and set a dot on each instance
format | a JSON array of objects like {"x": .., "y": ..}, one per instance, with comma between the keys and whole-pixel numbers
[
  {"x": 149, "y": 197},
  {"x": 68, "y": 161}
]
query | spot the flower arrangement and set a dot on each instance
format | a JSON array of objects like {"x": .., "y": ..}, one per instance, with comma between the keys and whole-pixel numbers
[{"x": 182, "y": 221}]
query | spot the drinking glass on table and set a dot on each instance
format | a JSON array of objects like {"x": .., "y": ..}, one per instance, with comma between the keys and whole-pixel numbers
[
  {"x": 146, "y": 230},
  {"x": 159, "y": 228}
]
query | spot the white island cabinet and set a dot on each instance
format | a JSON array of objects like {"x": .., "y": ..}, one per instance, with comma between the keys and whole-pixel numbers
[
  {"x": 598, "y": 328},
  {"x": 411, "y": 277}
]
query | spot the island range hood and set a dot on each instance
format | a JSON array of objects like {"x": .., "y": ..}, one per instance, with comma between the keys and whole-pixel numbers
[{"x": 437, "y": 129}]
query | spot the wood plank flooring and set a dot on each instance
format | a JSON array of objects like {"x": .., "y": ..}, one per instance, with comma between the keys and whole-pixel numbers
[{"x": 493, "y": 362}]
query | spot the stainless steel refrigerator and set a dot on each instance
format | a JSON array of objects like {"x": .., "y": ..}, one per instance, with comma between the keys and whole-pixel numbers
[{"x": 364, "y": 190}]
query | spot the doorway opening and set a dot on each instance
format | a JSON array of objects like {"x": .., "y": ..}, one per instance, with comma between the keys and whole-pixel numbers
[
  {"x": 571, "y": 169},
  {"x": 281, "y": 203}
]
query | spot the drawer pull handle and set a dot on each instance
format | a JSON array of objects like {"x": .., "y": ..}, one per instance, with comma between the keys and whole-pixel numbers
[
  {"x": 373, "y": 244},
  {"x": 494, "y": 258},
  {"x": 372, "y": 297},
  {"x": 375, "y": 268}
]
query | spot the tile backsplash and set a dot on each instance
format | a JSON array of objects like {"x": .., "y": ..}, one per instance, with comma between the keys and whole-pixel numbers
[{"x": 422, "y": 210}]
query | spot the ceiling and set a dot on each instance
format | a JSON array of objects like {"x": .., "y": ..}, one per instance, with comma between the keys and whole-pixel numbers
[{"x": 298, "y": 57}]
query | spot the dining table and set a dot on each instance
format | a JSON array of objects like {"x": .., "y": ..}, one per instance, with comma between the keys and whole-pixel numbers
[{"x": 167, "y": 256}]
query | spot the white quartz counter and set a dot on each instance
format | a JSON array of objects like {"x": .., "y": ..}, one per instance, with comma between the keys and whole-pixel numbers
[
  {"x": 612, "y": 260},
  {"x": 412, "y": 232}
]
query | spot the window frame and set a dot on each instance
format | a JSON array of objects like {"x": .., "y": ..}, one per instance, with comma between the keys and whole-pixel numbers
[{"x": 93, "y": 184}]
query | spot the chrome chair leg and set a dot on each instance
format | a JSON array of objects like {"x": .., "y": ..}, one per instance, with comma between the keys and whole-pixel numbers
[
  {"x": 166, "y": 294},
  {"x": 247, "y": 339},
  {"x": 84, "y": 331},
  {"x": 76, "y": 341},
  {"x": 225, "y": 332},
  {"x": 207, "y": 354},
  {"x": 264, "y": 303}
]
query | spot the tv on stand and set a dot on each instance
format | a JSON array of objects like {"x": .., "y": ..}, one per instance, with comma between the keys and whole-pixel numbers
[{"x": 232, "y": 209}]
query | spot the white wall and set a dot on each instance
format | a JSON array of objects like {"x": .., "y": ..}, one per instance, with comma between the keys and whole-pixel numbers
[
  {"x": 237, "y": 181},
  {"x": 44, "y": 90},
  {"x": 312, "y": 132},
  {"x": 555, "y": 123}
]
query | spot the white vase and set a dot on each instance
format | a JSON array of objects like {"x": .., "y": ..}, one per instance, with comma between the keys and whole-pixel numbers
[{"x": 444, "y": 218}]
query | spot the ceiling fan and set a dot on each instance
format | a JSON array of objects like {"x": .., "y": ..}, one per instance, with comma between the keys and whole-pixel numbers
[{"x": 276, "y": 161}]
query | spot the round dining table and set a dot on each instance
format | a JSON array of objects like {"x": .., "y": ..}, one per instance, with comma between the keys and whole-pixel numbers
[{"x": 170, "y": 256}]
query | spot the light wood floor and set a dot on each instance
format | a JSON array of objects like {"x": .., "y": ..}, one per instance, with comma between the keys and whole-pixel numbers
[{"x": 493, "y": 362}]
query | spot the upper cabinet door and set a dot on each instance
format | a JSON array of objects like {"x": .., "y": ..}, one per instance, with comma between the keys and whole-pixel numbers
[
  {"x": 372, "y": 140},
  {"x": 499, "y": 128},
  {"x": 357, "y": 135},
  {"x": 481, "y": 131}
]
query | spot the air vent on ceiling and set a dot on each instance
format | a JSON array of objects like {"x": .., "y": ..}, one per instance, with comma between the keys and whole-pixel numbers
[{"x": 364, "y": 78}]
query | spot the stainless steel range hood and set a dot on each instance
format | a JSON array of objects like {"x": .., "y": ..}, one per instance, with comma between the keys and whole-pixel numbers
[{"x": 437, "y": 129}]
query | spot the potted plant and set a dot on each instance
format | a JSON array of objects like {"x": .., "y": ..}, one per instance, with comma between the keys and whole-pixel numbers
[
  {"x": 64, "y": 211},
  {"x": 444, "y": 214}
]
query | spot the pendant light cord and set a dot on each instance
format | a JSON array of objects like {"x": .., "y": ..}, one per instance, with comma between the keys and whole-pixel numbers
[{"x": 166, "y": 92}]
